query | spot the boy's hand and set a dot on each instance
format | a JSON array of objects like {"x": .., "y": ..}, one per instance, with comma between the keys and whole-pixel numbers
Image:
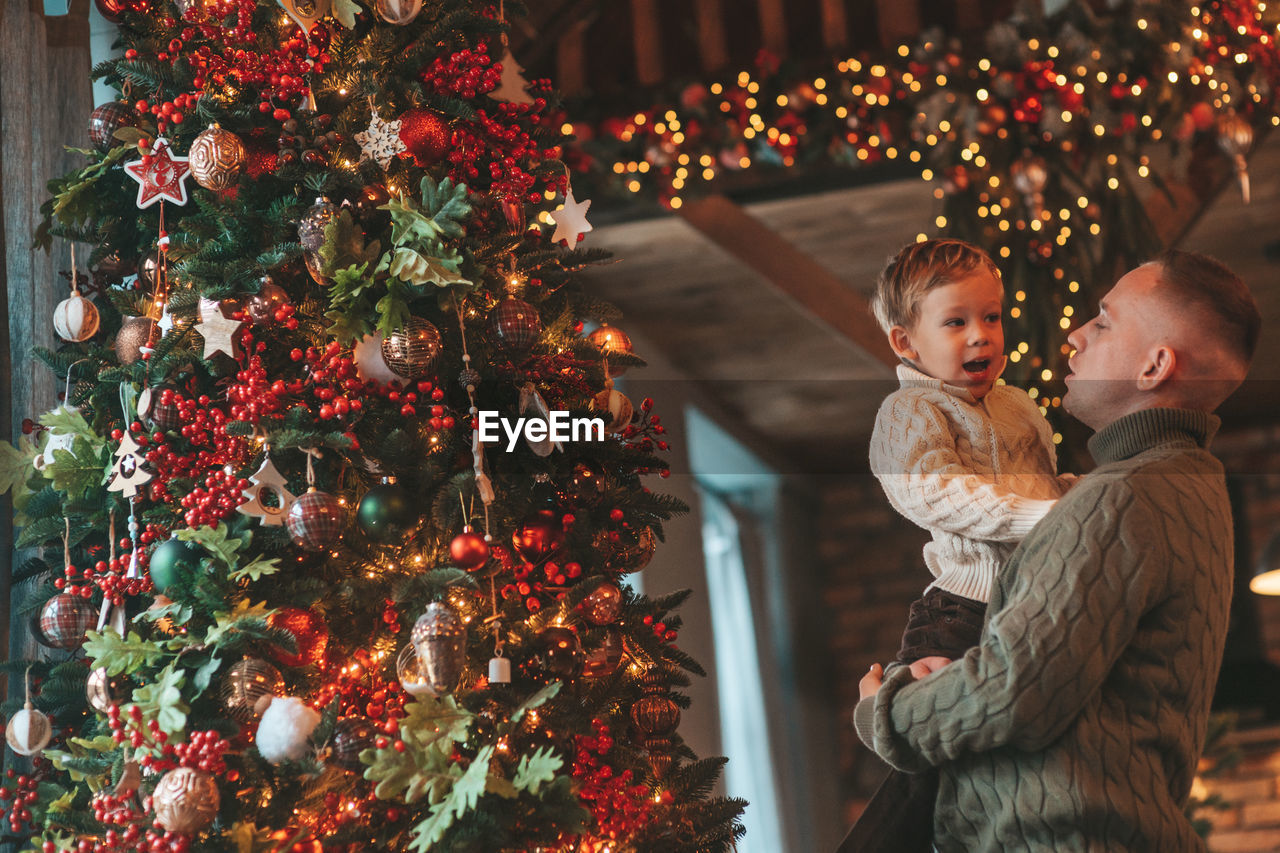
[
  {"x": 870, "y": 683},
  {"x": 924, "y": 666}
]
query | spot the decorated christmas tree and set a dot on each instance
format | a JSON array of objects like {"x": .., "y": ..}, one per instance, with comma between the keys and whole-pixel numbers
[{"x": 292, "y": 600}]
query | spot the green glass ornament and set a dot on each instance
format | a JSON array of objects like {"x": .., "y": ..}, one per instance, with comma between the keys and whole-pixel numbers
[
  {"x": 385, "y": 512},
  {"x": 173, "y": 560}
]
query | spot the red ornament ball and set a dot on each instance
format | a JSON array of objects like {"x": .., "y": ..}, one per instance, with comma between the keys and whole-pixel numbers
[
  {"x": 425, "y": 135},
  {"x": 540, "y": 535},
  {"x": 65, "y": 619},
  {"x": 315, "y": 520},
  {"x": 469, "y": 551},
  {"x": 308, "y": 628}
]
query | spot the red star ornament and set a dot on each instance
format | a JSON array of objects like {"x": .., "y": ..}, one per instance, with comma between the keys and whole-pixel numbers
[{"x": 160, "y": 177}]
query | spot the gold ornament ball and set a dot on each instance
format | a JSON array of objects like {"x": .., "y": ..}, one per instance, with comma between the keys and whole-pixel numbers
[
  {"x": 186, "y": 800},
  {"x": 216, "y": 159},
  {"x": 103, "y": 691},
  {"x": 247, "y": 686},
  {"x": 134, "y": 334},
  {"x": 410, "y": 351},
  {"x": 604, "y": 605},
  {"x": 611, "y": 340}
]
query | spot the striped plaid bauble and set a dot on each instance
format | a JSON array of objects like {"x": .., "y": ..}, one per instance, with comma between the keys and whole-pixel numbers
[
  {"x": 65, "y": 619},
  {"x": 315, "y": 520},
  {"x": 514, "y": 325}
]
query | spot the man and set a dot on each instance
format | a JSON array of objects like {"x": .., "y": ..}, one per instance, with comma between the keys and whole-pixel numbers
[{"x": 1077, "y": 722}]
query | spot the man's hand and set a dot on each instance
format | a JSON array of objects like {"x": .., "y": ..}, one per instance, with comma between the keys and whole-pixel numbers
[
  {"x": 924, "y": 666},
  {"x": 870, "y": 683}
]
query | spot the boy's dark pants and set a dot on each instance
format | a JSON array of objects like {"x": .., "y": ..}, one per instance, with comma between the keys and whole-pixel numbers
[{"x": 899, "y": 817}]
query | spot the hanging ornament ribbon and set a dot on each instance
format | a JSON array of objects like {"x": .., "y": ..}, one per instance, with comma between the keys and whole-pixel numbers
[
  {"x": 483, "y": 484},
  {"x": 469, "y": 378},
  {"x": 531, "y": 402}
]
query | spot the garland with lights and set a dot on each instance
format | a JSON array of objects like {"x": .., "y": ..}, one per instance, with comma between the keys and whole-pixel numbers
[
  {"x": 1038, "y": 140},
  {"x": 292, "y": 601}
]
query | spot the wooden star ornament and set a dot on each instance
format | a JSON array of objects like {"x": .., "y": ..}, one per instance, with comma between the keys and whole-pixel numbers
[
  {"x": 160, "y": 175},
  {"x": 216, "y": 329},
  {"x": 571, "y": 220}
]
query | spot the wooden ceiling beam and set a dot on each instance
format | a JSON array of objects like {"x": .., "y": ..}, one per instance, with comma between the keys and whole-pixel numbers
[{"x": 797, "y": 275}]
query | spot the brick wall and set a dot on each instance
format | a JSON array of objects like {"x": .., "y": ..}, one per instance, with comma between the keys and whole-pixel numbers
[
  {"x": 871, "y": 559},
  {"x": 1251, "y": 821}
]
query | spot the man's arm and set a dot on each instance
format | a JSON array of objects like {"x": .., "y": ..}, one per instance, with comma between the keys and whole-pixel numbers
[
  {"x": 913, "y": 456},
  {"x": 1082, "y": 582}
]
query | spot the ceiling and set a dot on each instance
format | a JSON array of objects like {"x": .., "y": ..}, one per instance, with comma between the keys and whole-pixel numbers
[{"x": 790, "y": 379}]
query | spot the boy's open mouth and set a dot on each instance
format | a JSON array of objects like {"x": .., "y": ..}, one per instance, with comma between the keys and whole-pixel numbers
[{"x": 977, "y": 367}]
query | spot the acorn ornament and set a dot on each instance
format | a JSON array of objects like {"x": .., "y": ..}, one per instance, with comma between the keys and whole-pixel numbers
[
  {"x": 247, "y": 688},
  {"x": 468, "y": 550},
  {"x": 65, "y": 619},
  {"x": 411, "y": 351},
  {"x": 186, "y": 800},
  {"x": 440, "y": 639},
  {"x": 385, "y": 513},
  {"x": 315, "y": 520},
  {"x": 217, "y": 158}
]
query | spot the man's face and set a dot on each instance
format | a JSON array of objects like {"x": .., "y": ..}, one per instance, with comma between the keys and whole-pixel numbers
[
  {"x": 1112, "y": 349},
  {"x": 958, "y": 336}
]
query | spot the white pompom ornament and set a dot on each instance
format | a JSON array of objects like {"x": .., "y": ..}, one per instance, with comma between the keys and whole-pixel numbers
[
  {"x": 286, "y": 725},
  {"x": 75, "y": 318}
]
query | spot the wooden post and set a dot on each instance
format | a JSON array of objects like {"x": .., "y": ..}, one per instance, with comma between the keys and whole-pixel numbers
[
  {"x": 899, "y": 21},
  {"x": 647, "y": 34},
  {"x": 773, "y": 26},
  {"x": 44, "y": 105},
  {"x": 713, "y": 45},
  {"x": 835, "y": 25}
]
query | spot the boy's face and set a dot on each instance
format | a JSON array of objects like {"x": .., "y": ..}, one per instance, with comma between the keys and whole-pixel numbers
[{"x": 958, "y": 336}]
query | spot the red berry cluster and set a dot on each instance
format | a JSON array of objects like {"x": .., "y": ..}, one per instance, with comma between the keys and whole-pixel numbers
[
  {"x": 526, "y": 584},
  {"x": 254, "y": 394},
  {"x": 19, "y": 798},
  {"x": 363, "y": 696},
  {"x": 503, "y": 142},
  {"x": 203, "y": 751},
  {"x": 642, "y": 435},
  {"x": 205, "y": 429},
  {"x": 166, "y": 112},
  {"x": 467, "y": 73},
  {"x": 106, "y": 576},
  {"x": 660, "y": 630},
  {"x": 125, "y": 817},
  {"x": 621, "y": 809},
  {"x": 334, "y": 382}
]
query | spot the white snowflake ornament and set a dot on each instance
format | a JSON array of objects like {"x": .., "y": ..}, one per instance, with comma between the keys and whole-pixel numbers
[{"x": 381, "y": 142}]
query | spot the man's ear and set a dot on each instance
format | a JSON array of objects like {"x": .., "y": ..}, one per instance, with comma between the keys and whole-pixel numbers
[
  {"x": 900, "y": 341},
  {"x": 1159, "y": 367}
]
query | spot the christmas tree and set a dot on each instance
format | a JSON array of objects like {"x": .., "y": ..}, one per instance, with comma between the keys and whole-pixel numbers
[{"x": 295, "y": 602}]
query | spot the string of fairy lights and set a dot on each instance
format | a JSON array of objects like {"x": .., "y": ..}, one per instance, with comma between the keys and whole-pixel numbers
[{"x": 1033, "y": 145}]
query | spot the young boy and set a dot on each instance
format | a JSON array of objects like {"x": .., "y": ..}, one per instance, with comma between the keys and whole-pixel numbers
[{"x": 970, "y": 461}]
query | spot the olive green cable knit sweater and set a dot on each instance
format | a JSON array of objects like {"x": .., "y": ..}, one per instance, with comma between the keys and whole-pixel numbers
[{"x": 1077, "y": 723}]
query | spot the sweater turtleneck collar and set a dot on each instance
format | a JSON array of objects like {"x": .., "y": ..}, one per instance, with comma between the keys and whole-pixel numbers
[
  {"x": 1133, "y": 433},
  {"x": 911, "y": 376}
]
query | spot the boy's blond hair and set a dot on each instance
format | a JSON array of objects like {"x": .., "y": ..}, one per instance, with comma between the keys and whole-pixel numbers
[{"x": 917, "y": 269}]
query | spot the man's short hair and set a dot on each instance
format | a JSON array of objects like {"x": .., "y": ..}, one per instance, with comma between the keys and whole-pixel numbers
[
  {"x": 917, "y": 269},
  {"x": 1206, "y": 286}
]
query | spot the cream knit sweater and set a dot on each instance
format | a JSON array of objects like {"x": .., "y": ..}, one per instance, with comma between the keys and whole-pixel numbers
[{"x": 977, "y": 474}]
